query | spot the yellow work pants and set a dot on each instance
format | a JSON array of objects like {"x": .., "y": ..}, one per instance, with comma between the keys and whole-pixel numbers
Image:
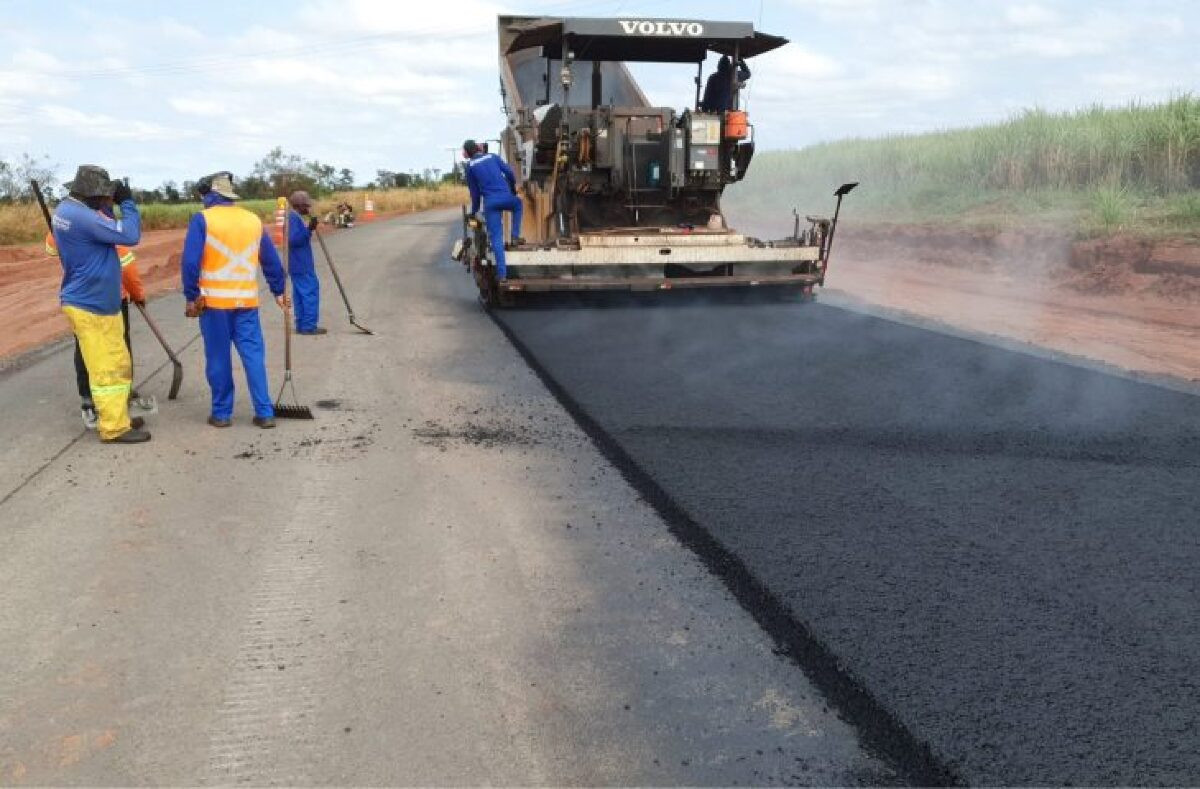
[{"x": 110, "y": 371}]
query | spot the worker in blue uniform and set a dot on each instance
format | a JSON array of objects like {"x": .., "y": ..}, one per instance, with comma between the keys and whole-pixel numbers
[
  {"x": 224, "y": 247},
  {"x": 85, "y": 234},
  {"x": 491, "y": 179},
  {"x": 306, "y": 285},
  {"x": 722, "y": 88}
]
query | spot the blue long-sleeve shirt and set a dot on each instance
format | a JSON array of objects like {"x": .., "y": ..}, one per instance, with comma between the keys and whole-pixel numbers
[
  {"x": 718, "y": 91},
  {"x": 489, "y": 176},
  {"x": 193, "y": 253},
  {"x": 85, "y": 239},
  {"x": 300, "y": 251}
]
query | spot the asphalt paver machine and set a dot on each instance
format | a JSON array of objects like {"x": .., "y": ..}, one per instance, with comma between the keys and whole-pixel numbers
[{"x": 621, "y": 195}]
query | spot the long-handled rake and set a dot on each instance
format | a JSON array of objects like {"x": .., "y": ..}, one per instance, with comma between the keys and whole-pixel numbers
[
  {"x": 338, "y": 280},
  {"x": 291, "y": 410}
]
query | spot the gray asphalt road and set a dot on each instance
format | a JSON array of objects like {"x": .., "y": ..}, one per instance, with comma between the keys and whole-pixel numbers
[
  {"x": 439, "y": 581},
  {"x": 983, "y": 553}
]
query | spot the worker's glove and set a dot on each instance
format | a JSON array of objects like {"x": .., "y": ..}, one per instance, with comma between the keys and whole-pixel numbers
[
  {"x": 283, "y": 301},
  {"x": 312, "y": 224},
  {"x": 122, "y": 192},
  {"x": 194, "y": 308}
]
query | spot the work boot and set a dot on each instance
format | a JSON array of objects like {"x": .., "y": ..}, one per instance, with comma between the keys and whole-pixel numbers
[
  {"x": 136, "y": 422},
  {"x": 317, "y": 330},
  {"x": 87, "y": 410},
  {"x": 265, "y": 422},
  {"x": 131, "y": 436},
  {"x": 212, "y": 420}
]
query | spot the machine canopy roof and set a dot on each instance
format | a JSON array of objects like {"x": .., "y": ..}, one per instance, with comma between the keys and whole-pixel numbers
[{"x": 632, "y": 39}]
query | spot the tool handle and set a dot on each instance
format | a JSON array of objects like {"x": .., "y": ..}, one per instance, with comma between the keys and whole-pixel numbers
[
  {"x": 157, "y": 333},
  {"x": 37, "y": 192},
  {"x": 287, "y": 341},
  {"x": 337, "y": 279},
  {"x": 285, "y": 253}
]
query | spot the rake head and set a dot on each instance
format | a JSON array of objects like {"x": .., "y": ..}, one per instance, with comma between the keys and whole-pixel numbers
[{"x": 292, "y": 411}]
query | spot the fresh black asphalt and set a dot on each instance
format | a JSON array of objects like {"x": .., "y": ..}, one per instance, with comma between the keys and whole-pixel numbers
[{"x": 991, "y": 558}]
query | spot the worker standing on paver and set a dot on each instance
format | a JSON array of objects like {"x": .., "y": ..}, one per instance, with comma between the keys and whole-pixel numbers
[
  {"x": 86, "y": 234},
  {"x": 222, "y": 252},
  {"x": 489, "y": 177},
  {"x": 306, "y": 285},
  {"x": 721, "y": 90}
]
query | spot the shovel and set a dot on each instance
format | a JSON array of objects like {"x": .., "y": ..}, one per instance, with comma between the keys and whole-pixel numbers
[
  {"x": 176, "y": 365},
  {"x": 329, "y": 258}
]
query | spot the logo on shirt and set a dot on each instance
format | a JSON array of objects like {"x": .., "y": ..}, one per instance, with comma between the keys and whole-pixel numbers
[{"x": 643, "y": 27}]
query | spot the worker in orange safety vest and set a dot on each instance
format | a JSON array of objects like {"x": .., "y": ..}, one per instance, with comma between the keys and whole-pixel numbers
[{"x": 223, "y": 250}]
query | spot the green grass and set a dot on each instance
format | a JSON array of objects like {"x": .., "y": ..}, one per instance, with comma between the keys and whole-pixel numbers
[{"x": 1095, "y": 171}]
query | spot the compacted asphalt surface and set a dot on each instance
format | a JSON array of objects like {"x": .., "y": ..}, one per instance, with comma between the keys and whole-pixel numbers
[{"x": 987, "y": 556}]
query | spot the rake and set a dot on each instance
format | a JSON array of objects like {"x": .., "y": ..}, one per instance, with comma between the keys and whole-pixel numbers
[
  {"x": 292, "y": 410},
  {"x": 338, "y": 280}
]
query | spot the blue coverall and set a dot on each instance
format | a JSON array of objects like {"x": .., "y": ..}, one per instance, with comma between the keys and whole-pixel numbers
[
  {"x": 306, "y": 285},
  {"x": 241, "y": 327},
  {"x": 489, "y": 177}
]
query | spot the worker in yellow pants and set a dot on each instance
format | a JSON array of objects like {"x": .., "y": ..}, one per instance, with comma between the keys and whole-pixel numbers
[
  {"x": 110, "y": 370},
  {"x": 86, "y": 232}
]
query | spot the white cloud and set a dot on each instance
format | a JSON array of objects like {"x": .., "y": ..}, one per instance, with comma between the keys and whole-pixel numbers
[
  {"x": 199, "y": 106},
  {"x": 1031, "y": 15},
  {"x": 101, "y": 126}
]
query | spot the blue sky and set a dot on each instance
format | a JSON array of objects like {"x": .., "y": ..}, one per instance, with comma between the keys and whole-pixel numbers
[{"x": 170, "y": 91}]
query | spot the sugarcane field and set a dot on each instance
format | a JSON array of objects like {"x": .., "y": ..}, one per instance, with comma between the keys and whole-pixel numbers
[{"x": 600, "y": 393}]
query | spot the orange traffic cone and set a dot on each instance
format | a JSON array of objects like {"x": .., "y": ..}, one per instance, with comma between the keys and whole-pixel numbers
[
  {"x": 280, "y": 221},
  {"x": 369, "y": 210}
]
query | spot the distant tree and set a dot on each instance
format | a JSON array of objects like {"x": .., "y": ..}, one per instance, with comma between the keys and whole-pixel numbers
[
  {"x": 386, "y": 179},
  {"x": 148, "y": 195},
  {"x": 15, "y": 177},
  {"x": 170, "y": 192},
  {"x": 280, "y": 173},
  {"x": 253, "y": 188}
]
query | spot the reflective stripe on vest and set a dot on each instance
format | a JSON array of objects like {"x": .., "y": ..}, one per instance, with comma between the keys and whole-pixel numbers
[{"x": 229, "y": 266}]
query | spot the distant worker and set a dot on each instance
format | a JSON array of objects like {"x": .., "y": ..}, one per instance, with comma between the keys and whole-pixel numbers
[
  {"x": 489, "y": 177},
  {"x": 131, "y": 290},
  {"x": 306, "y": 285},
  {"x": 85, "y": 235},
  {"x": 720, "y": 90},
  {"x": 222, "y": 252}
]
